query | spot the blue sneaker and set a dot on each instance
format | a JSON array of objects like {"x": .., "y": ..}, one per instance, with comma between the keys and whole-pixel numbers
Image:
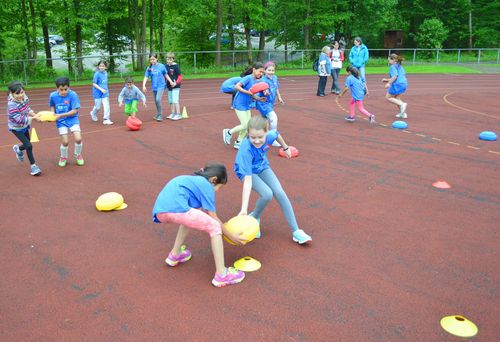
[
  {"x": 258, "y": 220},
  {"x": 301, "y": 237},
  {"x": 35, "y": 170},
  {"x": 226, "y": 136},
  {"x": 18, "y": 152},
  {"x": 237, "y": 145}
]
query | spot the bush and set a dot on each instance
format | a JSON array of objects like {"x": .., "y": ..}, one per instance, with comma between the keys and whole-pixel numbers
[{"x": 431, "y": 34}]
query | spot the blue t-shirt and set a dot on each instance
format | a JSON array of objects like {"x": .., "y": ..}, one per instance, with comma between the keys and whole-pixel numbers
[
  {"x": 251, "y": 160},
  {"x": 228, "y": 85},
  {"x": 357, "y": 87},
  {"x": 244, "y": 101},
  {"x": 183, "y": 193},
  {"x": 63, "y": 104},
  {"x": 400, "y": 84},
  {"x": 157, "y": 74},
  {"x": 101, "y": 79}
]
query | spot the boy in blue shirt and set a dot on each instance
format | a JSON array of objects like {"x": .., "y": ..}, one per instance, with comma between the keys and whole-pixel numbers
[{"x": 64, "y": 103}]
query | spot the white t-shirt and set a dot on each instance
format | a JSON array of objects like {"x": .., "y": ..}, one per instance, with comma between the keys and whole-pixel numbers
[{"x": 336, "y": 62}]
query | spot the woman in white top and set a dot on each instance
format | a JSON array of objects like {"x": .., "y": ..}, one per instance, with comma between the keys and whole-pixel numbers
[{"x": 336, "y": 56}]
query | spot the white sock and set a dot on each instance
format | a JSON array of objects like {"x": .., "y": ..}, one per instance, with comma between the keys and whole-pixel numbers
[
  {"x": 64, "y": 151},
  {"x": 78, "y": 149}
]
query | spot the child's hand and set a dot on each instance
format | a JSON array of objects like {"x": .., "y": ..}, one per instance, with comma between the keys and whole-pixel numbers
[
  {"x": 288, "y": 153},
  {"x": 235, "y": 237},
  {"x": 387, "y": 85},
  {"x": 144, "y": 89},
  {"x": 104, "y": 91},
  {"x": 243, "y": 212},
  {"x": 144, "y": 104},
  {"x": 281, "y": 100},
  {"x": 120, "y": 104},
  {"x": 385, "y": 80},
  {"x": 172, "y": 84}
]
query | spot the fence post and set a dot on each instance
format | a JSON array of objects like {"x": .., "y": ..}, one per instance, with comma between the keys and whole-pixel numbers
[
  {"x": 25, "y": 74},
  {"x": 302, "y": 59},
  {"x": 437, "y": 56},
  {"x": 414, "y": 55},
  {"x": 194, "y": 62},
  {"x": 234, "y": 62},
  {"x": 498, "y": 55},
  {"x": 479, "y": 56},
  {"x": 458, "y": 60}
]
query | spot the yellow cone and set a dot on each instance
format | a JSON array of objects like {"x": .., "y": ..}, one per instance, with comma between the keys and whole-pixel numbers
[
  {"x": 459, "y": 326},
  {"x": 184, "y": 113},
  {"x": 247, "y": 264},
  {"x": 34, "y": 136}
]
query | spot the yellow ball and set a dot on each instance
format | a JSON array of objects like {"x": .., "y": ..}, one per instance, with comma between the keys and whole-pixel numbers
[
  {"x": 46, "y": 115},
  {"x": 245, "y": 223},
  {"x": 109, "y": 201}
]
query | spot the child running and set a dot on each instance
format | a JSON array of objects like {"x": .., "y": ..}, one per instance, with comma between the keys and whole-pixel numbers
[
  {"x": 252, "y": 168},
  {"x": 64, "y": 103},
  {"x": 173, "y": 89},
  {"x": 397, "y": 84},
  {"x": 130, "y": 94},
  {"x": 356, "y": 84},
  {"x": 243, "y": 103},
  {"x": 266, "y": 108},
  {"x": 19, "y": 119},
  {"x": 182, "y": 201},
  {"x": 100, "y": 93},
  {"x": 227, "y": 87}
]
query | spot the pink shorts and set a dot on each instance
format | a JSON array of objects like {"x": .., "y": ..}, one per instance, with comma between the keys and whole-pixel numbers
[{"x": 194, "y": 218}]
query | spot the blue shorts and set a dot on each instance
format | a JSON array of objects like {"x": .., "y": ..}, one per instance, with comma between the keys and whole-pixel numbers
[{"x": 397, "y": 89}]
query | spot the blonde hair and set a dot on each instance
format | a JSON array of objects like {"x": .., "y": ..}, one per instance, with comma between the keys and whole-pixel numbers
[
  {"x": 170, "y": 55},
  {"x": 325, "y": 49},
  {"x": 257, "y": 122},
  {"x": 395, "y": 57}
]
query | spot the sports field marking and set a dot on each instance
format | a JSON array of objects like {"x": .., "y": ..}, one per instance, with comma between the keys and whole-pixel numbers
[
  {"x": 445, "y": 99},
  {"x": 453, "y": 143}
]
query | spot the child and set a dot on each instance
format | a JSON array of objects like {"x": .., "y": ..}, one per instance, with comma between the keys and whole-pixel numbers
[
  {"x": 358, "y": 89},
  {"x": 397, "y": 84},
  {"x": 267, "y": 108},
  {"x": 181, "y": 201},
  {"x": 100, "y": 93},
  {"x": 324, "y": 69},
  {"x": 252, "y": 168},
  {"x": 243, "y": 103},
  {"x": 158, "y": 74},
  {"x": 336, "y": 56},
  {"x": 131, "y": 94},
  {"x": 64, "y": 103},
  {"x": 227, "y": 87},
  {"x": 174, "y": 89},
  {"x": 20, "y": 116}
]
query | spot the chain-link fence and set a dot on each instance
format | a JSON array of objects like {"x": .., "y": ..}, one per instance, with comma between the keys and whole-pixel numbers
[{"x": 200, "y": 62}]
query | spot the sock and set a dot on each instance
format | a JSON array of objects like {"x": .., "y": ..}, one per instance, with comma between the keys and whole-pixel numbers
[
  {"x": 64, "y": 151},
  {"x": 78, "y": 149}
]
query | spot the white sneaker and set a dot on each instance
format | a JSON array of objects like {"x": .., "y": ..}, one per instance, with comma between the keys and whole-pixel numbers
[
  {"x": 237, "y": 145},
  {"x": 107, "y": 122},
  {"x": 177, "y": 116},
  {"x": 171, "y": 116},
  {"x": 372, "y": 119},
  {"x": 404, "y": 116},
  {"x": 402, "y": 109},
  {"x": 93, "y": 116}
]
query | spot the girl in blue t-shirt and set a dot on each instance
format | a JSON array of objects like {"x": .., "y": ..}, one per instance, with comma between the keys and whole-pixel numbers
[
  {"x": 159, "y": 78},
  {"x": 190, "y": 202},
  {"x": 252, "y": 168},
  {"x": 100, "y": 93},
  {"x": 356, "y": 84},
  {"x": 397, "y": 84},
  {"x": 243, "y": 103}
]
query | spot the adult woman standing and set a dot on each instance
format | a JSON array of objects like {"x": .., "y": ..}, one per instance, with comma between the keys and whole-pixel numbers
[
  {"x": 336, "y": 56},
  {"x": 324, "y": 69},
  {"x": 359, "y": 56}
]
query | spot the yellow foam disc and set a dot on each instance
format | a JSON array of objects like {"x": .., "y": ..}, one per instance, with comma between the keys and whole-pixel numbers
[
  {"x": 247, "y": 264},
  {"x": 46, "y": 115},
  {"x": 109, "y": 201},
  {"x": 246, "y": 224},
  {"x": 121, "y": 207},
  {"x": 459, "y": 326}
]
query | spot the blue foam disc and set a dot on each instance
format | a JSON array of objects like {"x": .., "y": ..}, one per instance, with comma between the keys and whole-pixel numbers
[
  {"x": 487, "y": 135},
  {"x": 399, "y": 124}
]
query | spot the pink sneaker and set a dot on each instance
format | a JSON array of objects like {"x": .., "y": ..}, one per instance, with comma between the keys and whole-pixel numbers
[
  {"x": 233, "y": 276},
  {"x": 183, "y": 256}
]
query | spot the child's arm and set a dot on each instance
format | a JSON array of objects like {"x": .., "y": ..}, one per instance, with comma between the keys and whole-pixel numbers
[
  {"x": 102, "y": 90},
  {"x": 389, "y": 81},
  {"x": 279, "y": 96},
  {"x": 144, "y": 83},
  {"x": 367, "y": 92},
  {"x": 245, "y": 196},
  {"x": 235, "y": 237},
  {"x": 344, "y": 91},
  {"x": 141, "y": 96},
  {"x": 120, "y": 97},
  {"x": 62, "y": 115},
  {"x": 284, "y": 146}
]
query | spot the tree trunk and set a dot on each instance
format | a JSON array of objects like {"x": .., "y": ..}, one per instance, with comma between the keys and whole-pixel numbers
[
  {"x": 248, "y": 38},
  {"x": 45, "y": 30},
  {"x": 143, "y": 34},
  {"x": 33, "y": 32},
  {"x": 24, "y": 22},
  {"x": 262, "y": 35},
  {"x": 140, "y": 57},
  {"x": 307, "y": 27},
  {"x": 67, "y": 34},
  {"x": 219, "y": 33},
  {"x": 78, "y": 38},
  {"x": 131, "y": 23},
  {"x": 230, "y": 20},
  {"x": 161, "y": 35},
  {"x": 151, "y": 25}
]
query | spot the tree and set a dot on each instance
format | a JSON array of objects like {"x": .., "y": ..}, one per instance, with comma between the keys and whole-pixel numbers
[{"x": 431, "y": 34}]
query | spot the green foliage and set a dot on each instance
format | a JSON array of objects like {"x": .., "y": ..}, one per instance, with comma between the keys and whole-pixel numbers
[{"x": 431, "y": 34}]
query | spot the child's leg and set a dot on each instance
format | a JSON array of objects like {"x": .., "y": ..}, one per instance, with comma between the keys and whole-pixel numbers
[
  {"x": 244, "y": 117},
  {"x": 105, "y": 106},
  {"x": 133, "y": 107},
  {"x": 182, "y": 233},
  {"x": 157, "y": 96},
  {"x": 175, "y": 100},
  {"x": 26, "y": 144},
  {"x": 362, "y": 109},
  {"x": 270, "y": 179},
  {"x": 273, "y": 120},
  {"x": 351, "y": 108},
  {"x": 97, "y": 107},
  {"x": 265, "y": 195},
  {"x": 394, "y": 99},
  {"x": 218, "y": 252}
]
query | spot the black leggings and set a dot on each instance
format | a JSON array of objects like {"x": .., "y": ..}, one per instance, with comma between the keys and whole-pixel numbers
[{"x": 25, "y": 139}]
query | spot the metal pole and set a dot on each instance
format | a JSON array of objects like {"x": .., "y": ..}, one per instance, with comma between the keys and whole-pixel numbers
[
  {"x": 437, "y": 56},
  {"x": 479, "y": 57},
  {"x": 194, "y": 59},
  {"x": 458, "y": 61},
  {"x": 302, "y": 59},
  {"x": 498, "y": 55},
  {"x": 414, "y": 55},
  {"x": 234, "y": 62}
]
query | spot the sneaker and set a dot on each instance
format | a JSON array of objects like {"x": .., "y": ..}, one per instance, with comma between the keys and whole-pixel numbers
[
  {"x": 158, "y": 117},
  {"x": 276, "y": 144},
  {"x": 237, "y": 145},
  {"x": 171, "y": 116},
  {"x": 372, "y": 119},
  {"x": 258, "y": 233},
  {"x": 301, "y": 237},
  {"x": 35, "y": 170},
  {"x": 93, "y": 116},
  {"x": 177, "y": 116},
  {"x": 399, "y": 115},
  {"x": 62, "y": 162},
  {"x": 107, "y": 122},
  {"x": 350, "y": 118},
  {"x": 404, "y": 116},
  {"x": 79, "y": 160},
  {"x": 19, "y": 153},
  {"x": 402, "y": 109},
  {"x": 232, "y": 276},
  {"x": 183, "y": 256},
  {"x": 226, "y": 136}
]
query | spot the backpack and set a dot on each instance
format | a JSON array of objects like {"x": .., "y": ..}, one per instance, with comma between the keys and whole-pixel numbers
[{"x": 316, "y": 64}]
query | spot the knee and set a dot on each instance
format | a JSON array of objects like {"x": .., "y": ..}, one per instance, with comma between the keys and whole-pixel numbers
[
  {"x": 28, "y": 146},
  {"x": 267, "y": 196}
]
